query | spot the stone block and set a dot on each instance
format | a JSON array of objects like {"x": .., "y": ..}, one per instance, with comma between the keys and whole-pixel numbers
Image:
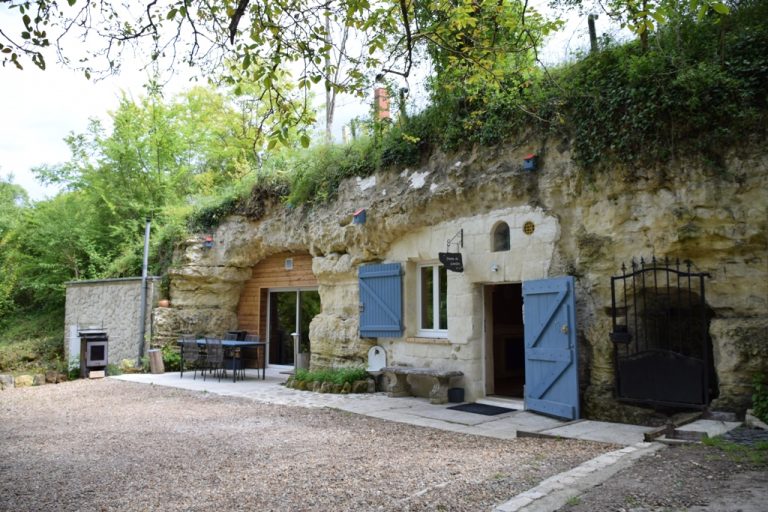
[
  {"x": 24, "y": 381},
  {"x": 360, "y": 386},
  {"x": 6, "y": 381},
  {"x": 54, "y": 377}
]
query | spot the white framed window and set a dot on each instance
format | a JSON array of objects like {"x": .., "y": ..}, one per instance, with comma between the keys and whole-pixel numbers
[{"x": 432, "y": 298}]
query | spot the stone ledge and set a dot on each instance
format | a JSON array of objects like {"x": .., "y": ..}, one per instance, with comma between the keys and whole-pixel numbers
[{"x": 428, "y": 341}]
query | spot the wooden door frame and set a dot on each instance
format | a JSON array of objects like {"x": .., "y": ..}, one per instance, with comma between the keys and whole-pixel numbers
[{"x": 488, "y": 332}]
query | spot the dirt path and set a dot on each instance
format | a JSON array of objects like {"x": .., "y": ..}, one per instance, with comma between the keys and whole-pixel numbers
[
  {"x": 113, "y": 445},
  {"x": 699, "y": 478}
]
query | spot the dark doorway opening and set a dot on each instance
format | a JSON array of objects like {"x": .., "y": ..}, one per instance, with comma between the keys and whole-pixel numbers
[{"x": 507, "y": 340}]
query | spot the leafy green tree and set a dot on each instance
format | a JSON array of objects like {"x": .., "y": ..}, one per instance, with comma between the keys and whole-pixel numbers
[
  {"x": 53, "y": 243},
  {"x": 644, "y": 17},
  {"x": 260, "y": 41},
  {"x": 13, "y": 200}
]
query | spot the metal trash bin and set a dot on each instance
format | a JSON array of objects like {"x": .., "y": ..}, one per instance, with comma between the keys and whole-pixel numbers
[{"x": 455, "y": 395}]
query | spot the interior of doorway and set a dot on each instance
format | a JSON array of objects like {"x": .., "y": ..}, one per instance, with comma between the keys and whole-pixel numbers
[
  {"x": 505, "y": 365},
  {"x": 290, "y": 312}
]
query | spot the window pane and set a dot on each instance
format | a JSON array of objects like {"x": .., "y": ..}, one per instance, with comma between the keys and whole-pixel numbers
[
  {"x": 427, "y": 296},
  {"x": 501, "y": 237},
  {"x": 443, "y": 283}
]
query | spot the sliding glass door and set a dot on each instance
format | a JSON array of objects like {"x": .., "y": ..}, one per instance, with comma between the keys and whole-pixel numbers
[{"x": 290, "y": 312}]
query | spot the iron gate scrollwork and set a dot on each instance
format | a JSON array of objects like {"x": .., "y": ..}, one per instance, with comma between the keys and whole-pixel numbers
[{"x": 661, "y": 335}]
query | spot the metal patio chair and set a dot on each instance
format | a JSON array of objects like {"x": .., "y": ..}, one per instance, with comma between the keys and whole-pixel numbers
[
  {"x": 257, "y": 350},
  {"x": 191, "y": 356},
  {"x": 214, "y": 357},
  {"x": 234, "y": 354}
]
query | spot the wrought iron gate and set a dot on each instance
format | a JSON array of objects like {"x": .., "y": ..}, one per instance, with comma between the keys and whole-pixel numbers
[{"x": 660, "y": 335}]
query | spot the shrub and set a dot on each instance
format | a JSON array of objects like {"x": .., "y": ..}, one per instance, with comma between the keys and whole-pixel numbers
[
  {"x": 171, "y": 358},
  {"x": 336, "y": 375},
  {"x": 760, "y": 397}
]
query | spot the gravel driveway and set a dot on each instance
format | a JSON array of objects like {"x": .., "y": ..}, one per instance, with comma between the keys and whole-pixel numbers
[{"x": 113, "y": 445}]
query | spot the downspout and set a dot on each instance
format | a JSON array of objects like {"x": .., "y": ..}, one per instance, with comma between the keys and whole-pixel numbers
[{"x": 143, "y": 304}]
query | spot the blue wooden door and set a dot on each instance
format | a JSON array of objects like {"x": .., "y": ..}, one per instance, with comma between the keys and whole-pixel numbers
[
  {"x": 551, "y": 373},
  {"x": 381, "y": 300}
]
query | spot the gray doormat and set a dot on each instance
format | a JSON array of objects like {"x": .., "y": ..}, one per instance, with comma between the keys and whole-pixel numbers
[{"x": 485, "y": 410}]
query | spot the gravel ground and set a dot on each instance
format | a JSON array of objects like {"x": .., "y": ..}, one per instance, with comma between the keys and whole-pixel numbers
[
  {"x": 114, "y": 445},
  {"x": 689, "y": 477}
]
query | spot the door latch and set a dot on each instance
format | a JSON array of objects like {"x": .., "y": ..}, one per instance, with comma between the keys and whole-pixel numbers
[
  {"x": 361, "y": 307},
  {"x": 564, "y": 329}
]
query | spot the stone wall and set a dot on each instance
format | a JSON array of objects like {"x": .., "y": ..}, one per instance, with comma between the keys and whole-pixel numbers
[
  {"x": 586, "y": 226},
  {"x": 113, "y": 304}
]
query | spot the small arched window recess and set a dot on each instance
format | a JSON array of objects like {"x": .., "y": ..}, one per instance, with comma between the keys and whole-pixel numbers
[{"x": 500, "y": 237}]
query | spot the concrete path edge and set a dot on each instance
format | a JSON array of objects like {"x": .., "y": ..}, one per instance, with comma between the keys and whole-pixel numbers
[{"x": 554, "y": 492}]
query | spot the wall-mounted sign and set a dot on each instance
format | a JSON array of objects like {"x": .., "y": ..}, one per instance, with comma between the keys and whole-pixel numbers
[{"x": 451, "y": 261}]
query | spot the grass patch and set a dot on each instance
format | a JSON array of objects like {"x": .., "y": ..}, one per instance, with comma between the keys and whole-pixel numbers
[
  {"x": 339, "y": 376},
  {"x": 32, "y": 340},
  {"x": 757, "y": 454}
]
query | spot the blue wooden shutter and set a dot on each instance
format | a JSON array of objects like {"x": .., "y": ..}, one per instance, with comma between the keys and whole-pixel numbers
[
  {"x": 381, "y": 301},
  {"x": 551, "y": 376}
]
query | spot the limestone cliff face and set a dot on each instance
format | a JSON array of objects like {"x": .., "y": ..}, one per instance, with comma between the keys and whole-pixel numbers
[{"x": 591, "y": 225}]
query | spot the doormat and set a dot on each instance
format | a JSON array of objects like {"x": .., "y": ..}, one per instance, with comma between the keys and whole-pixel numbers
[{"x": 485, "y": 410}]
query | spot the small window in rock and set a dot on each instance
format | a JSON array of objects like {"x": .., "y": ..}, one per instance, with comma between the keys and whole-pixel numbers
[{"x": 501, "y": 237}]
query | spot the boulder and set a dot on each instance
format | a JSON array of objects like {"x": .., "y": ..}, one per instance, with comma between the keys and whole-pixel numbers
[{"x": 326, "y": 387}]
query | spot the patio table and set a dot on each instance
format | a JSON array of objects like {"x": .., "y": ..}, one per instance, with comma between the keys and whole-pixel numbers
[{"x": 235, "y": 344}]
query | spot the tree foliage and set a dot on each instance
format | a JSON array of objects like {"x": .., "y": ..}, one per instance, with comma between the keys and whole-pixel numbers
[
  {"x": 157, "y": 156},
  {"x": 259, "y": 41}
]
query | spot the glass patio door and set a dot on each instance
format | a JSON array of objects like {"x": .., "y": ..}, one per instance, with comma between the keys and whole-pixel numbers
[{"x": 290, "y": 312}]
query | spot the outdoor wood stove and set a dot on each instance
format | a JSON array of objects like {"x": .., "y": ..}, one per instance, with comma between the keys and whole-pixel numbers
[{"x": 94, "y": 345}]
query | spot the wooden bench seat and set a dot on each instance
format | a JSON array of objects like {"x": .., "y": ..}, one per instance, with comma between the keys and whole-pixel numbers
[{"x": 398, "y": 381}]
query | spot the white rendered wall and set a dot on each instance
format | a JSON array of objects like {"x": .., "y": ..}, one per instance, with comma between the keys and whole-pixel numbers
[{"x": 529, "y": 257}]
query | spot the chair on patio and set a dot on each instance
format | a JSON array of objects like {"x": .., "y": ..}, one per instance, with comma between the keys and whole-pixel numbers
[
  {"x": 258, "y": 351},
  {"x": 235, "y": 356},
  {"x": 191, "y": 356},
  {"x": 214, "y": 357}
]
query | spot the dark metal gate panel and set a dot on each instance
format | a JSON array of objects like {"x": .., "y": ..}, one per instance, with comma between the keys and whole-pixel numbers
[
  {"x": 660, "y": 335},
  {"x": 551, "y": 376}
]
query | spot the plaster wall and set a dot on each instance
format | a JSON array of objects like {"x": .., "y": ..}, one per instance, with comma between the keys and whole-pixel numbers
[
  {"x": 529, "y": 257},
  {"x": 114, "y": 305}
]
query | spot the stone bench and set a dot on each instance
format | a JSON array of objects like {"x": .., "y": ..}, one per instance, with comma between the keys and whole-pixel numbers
[{"x": 398, "y": 381}]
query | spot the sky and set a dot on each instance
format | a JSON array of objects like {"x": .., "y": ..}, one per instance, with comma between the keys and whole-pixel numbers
[{"x": 38, "y": 109}]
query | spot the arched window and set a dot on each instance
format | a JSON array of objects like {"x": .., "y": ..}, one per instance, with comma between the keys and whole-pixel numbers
[{"x": 500, "y": 241}]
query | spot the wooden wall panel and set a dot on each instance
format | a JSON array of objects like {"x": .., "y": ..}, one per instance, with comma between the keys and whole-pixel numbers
[{"x": 271, "y": 273}]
